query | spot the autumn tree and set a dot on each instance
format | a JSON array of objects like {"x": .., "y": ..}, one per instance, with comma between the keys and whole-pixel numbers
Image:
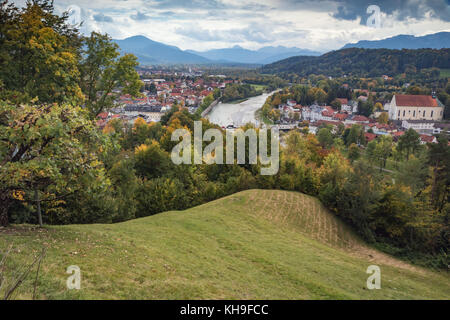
[
  {"x": 46, "y": 152},
  {"x": 39, "y": 54},
  {"x": 383, "y": 118}
]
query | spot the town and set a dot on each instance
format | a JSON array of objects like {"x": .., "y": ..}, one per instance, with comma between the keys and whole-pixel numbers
[{"x": 392, "y": 114}]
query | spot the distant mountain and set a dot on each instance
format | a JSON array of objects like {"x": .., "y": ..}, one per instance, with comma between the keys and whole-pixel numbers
[
  {"x": 262, "y": 56},
  {"x": 151, "y": 52},
  {"x": 433, "y": 41},
  {"x": 362, "y": 62}
]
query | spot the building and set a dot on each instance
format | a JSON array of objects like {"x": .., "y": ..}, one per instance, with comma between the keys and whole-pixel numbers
[
  {"x": 421, "y": 126},
  {"x": 415, "y": 107}
]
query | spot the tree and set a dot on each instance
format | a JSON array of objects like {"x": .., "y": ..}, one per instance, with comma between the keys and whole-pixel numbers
[
  {"x": 383, "y": 118},
  {"x": 46, "y": 151},
  {"x": 151, "y": 161},
  {"x": 365, "y": 108},
  {"x": 409, "y": 142},
  {"x": 383, "y": 149},
  {"x": 353, "y": 152},
  {"x": 333, "y": 175},
  {"x": 378, "y": 107},
  {"x": 325, "y": 138},
  {"x": 39, "y": 54},
  {"x": 336, "y": 104},
  {"x": 354, "y": 135},
  {"x": 103, "y": 70},
  {"x": 275, "y": 114},
  {"x": 439, "y": 160}
]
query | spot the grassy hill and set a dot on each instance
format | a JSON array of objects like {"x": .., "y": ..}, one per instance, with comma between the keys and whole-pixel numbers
[{"x": 257, "y": 244}]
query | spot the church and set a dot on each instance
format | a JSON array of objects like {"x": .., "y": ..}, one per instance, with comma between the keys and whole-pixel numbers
[{"x": 415, "y": 107}]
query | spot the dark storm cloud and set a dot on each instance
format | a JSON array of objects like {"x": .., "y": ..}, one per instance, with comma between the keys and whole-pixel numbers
[{"x": 350, "y": 10}]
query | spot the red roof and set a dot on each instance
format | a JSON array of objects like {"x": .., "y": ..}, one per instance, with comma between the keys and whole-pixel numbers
[
  {"x": 340, "y": 116},
  {"x": 327, "y": 113},
  {"x": 370, "y": 136},
  {"x": 426, "y": 138},
  {"x": 409, "y": 100},
  {"x": 360, "y": 118},
  {"x": 103, "y": 115}
]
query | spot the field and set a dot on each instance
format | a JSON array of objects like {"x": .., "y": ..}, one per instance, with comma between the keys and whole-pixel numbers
[
  {"x": 259, "y": 87},
  {"x": 257, "y": 244},
  {"x": 445, "y": 73}
]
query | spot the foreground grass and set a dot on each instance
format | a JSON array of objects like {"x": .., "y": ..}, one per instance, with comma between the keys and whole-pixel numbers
[{"x": 252, "y": 245}]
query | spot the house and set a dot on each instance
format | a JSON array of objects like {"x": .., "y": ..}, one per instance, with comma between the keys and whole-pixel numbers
[
  {"x": 312, "y": 113},
  {"x": 370, "y": 136},
  {"x": 360, "y": 119},
  {"x": 291, "y": 103},
  {"x": 340, "y": 116},
  {"x": 397, "y": 135},
  {"x": 421, "y": 126},
  {"x": 441, "y": 128},
  {"x": 424, "y": 139},
  {"x": 415, "y": 107}
]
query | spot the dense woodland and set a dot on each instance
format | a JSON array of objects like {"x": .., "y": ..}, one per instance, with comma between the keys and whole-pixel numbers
[
  {"x": 363, "y": 62},
  {"x": 54, "y": 160}
]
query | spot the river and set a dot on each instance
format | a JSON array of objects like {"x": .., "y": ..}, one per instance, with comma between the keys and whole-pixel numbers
[{"x": 238, "y": 114}]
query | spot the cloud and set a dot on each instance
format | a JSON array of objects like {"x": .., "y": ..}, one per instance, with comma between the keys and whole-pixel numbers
[
  {"x": 139, "y": 16},
  {"x": 313, "y": 24},
  {"x": 100, "y": 17},
  {"x": 254, "y": 32},
  {"x": 397, "y": 9}
]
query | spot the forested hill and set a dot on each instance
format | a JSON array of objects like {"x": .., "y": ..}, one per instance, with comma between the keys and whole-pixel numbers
[{"x": 363, "y": 62}]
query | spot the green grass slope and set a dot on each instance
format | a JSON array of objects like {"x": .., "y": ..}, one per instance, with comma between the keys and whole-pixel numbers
[{"x": 257, "y": 244}]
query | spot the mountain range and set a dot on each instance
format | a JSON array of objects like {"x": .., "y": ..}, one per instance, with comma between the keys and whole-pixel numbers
[
  {"x": 264, "y": 55},
  {"x": 433, "y": 41},
  {"x": 151, "y": 52}
]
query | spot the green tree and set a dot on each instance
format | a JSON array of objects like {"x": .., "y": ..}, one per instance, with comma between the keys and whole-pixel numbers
[
  {"x": 325, "y": 138},
  {"x": 439, "y": 160},
  {"x": 353, "y": 152},
  {"x": 355, "y": 135},
  {"x": 103, "y": 70},
  {"x": 383, "y": 149},
  {"x": 336, "y": 104},
  {"x": 409, "y": 142},
  {"x": 46, "y": 152}
]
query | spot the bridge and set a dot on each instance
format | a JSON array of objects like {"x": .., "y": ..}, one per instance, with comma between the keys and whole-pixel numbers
[{"x": 284, "y": 127}]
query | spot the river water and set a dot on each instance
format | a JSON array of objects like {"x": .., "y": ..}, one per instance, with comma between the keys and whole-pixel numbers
[{"x": 238, "y": 114}]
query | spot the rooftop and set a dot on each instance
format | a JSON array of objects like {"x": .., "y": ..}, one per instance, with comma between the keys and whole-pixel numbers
[{"x": 409, "y": 100}]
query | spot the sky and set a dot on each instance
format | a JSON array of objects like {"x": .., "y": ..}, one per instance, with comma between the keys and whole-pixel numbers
[{"x": 319, "y": 25}]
